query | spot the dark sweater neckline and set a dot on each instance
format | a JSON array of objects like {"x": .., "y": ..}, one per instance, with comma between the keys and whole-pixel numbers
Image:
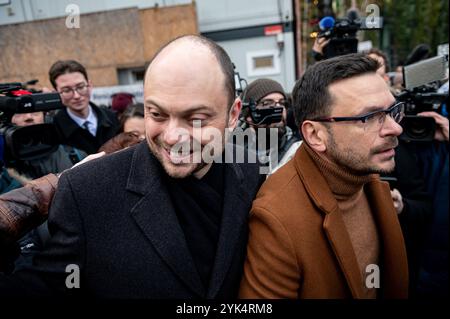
[{"x": 198, "y": 204}]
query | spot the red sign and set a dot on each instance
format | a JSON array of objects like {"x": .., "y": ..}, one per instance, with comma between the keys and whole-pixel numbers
[{"x": 273, "y": 29}]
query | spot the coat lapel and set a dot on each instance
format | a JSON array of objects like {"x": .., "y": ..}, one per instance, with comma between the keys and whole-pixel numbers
[
  {"x": 339, "y": 239},
  {"x": 394, "y": 270},
  {"x": 234, "y": 218},
  {"x": 156, "y": 217},
  {"x": 333, "y": 224}
]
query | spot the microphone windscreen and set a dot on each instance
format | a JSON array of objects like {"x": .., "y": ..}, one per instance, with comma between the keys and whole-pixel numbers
[{"x": 326, "y": 23}]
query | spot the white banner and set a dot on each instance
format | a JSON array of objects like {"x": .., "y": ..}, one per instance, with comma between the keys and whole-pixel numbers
[{"x": 102, "y": 95}]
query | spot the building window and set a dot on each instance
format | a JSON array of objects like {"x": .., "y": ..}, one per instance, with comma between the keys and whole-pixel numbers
[
  {"x": 262, "y": 63},
  {"x": 131, "y": 75}
]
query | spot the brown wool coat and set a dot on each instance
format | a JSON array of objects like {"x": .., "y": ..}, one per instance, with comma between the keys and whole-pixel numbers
[{"x": 299, "y": 246}]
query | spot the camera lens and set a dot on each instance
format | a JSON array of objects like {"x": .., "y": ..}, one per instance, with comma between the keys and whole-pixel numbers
[{"x": 417, "y": 129}]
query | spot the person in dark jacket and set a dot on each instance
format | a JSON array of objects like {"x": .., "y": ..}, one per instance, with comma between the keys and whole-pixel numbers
[
  {"x": 54, "y": 160},
  {"x": 421, "y": 199},
  {"x": 149, "y": 221},
  {"x": 413, "y": 205},
  {"x": 23, "y": 210},
  {"x": 81, "y": 124}
]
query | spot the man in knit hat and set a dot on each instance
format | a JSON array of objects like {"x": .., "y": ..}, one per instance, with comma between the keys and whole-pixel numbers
[
  {"x": 324, "y": 225},
  {"x": 264, "y": 94}
]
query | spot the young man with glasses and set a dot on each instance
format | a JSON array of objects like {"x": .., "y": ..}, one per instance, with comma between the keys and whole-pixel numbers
[
  {"x": 324, "y": 225},
  {"x": 81, "y": 124}
]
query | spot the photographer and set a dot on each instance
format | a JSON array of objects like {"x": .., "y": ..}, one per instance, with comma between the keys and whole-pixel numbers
[
  {"x": 421, "y": 200},
  {"x": 269, "y": 94},
  {"x": 56, "y": 161},
  {"x": 339, "y": 36},
  {"x": 23, "y": 211},
  {"x": 433, "y": 272}
]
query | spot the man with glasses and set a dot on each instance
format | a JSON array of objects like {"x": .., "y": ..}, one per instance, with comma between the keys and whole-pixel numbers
[
  {"x": 324, "y": 225},
  {"x": 81, "y": 124},
  {"x": 263, "y": 94}
]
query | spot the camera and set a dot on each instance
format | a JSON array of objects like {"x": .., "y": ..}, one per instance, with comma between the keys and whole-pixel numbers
[
  {"x": 263, "y": 116},
  {"x": 421, "y": 83},
  {"x": 28, "y": 142},
  {"x": 342, "y": 33}
]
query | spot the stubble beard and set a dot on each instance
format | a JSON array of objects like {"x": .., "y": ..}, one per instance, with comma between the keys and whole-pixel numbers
[{"x": 354, "y": 162}]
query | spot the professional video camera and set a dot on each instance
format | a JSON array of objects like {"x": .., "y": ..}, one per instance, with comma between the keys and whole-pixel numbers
[
  {"x": 28, "y": 142},
  {"x": 263, "y": 116},
  {"x": 421, "y": 81},
  {"x": 342, "y": 33}
]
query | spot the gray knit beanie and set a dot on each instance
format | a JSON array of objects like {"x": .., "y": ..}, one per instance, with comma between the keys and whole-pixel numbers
[{"x": 260, "y": 88}]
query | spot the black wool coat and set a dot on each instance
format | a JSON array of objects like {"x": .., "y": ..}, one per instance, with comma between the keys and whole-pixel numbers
[{"x": 113, "y": 218}]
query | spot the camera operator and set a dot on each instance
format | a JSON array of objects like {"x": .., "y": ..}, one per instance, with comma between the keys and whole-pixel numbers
[
  {"x": 266, "y": 94},
  {"x": 421, "y": 200},
  {"x": 7, "y": 182},
  {"x": 61, "y": 158},
  {"x": 339, "y": 36},
  {"x": 81, "y": 124},
  {"x": 433, "y": 272},
  {"x": 23, "y": 211}
]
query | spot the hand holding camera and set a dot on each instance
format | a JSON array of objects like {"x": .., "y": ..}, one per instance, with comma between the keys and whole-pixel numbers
[{"x": 441, "y": 133}]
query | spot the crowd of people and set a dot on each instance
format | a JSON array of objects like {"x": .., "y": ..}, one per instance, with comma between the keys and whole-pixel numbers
[{"x": 139, "y": 217}]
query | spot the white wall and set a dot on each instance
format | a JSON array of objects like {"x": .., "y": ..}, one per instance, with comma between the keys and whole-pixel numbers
[
  {"x": 220, "y": 15},
  {"x": 29, "y": 10},
  {"x": 214, "y": 15},
  {"x": 238, "y": 50}
]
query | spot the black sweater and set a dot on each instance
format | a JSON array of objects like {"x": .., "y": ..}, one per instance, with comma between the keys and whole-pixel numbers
[{"x": 198, "y": 205}]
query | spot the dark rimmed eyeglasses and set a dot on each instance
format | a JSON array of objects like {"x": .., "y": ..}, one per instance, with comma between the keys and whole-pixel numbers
[
  {"x": 81, "y": 89},
  {"x": 267, "y": 103},
  {"x": 396, "y": 112}
]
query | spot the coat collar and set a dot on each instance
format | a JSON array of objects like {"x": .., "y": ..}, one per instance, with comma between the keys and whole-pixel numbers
[
  {"x": 393, "y": 250},
  {"x": 394, "y": 273},
  {"x": 70, "y": 126},
  {"x": 156, "y": 216},
  {"x": 236, "y": 207}
]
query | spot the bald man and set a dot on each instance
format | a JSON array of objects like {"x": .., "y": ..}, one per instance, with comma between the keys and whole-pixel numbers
[{"x": 160, "y": 220}]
